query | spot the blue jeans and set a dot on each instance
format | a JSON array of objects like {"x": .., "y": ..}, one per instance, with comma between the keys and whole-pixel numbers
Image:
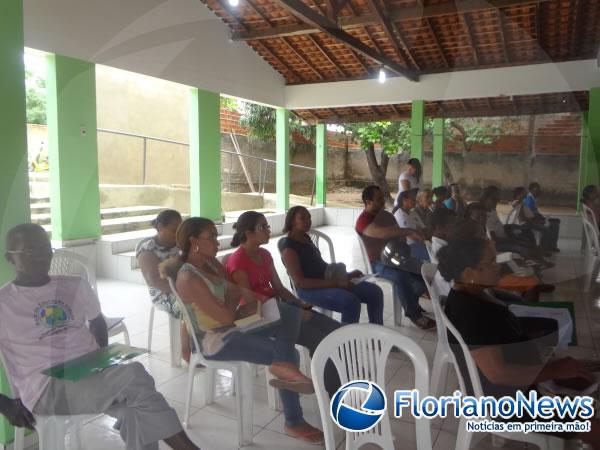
[
  {"x": 257, "y": 348},
  {"x": 348, "y": 302},
  {"x": 409, "y": 287}
]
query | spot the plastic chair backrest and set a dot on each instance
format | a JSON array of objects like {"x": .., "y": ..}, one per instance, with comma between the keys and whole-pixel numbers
[
  {"x": 513, "y": 215},
  {"x": 69, "y": 263},
  {"x": 316, "y": 236},
  {"x": 361, "y": 352},
  {"x": 428, "y": 272},
  {"x": 365, "y": 255},
  {"x": 591, "y": 236},
  {"x": 186, "y": 315},
  {"x": 472, "y": 370},
  {"x": 429, "y": 248}
]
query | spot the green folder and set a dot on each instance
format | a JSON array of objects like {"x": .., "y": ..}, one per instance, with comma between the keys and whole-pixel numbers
[{"x": 94, "y": 362}]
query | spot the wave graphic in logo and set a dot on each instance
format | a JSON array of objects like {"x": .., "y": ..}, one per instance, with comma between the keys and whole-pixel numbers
[{"x": 371, "y": 410}]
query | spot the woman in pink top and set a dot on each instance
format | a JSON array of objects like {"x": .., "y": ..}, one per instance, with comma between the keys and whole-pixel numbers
[{"x": 251, "y": 267}]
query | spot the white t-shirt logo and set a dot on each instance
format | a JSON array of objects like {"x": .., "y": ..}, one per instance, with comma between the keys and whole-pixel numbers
[{"x": 53, "y": 315}]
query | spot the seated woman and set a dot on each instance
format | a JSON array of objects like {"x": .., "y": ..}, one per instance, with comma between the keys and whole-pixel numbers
[
  {"x": 251, "y": 268},
  {"x": 150, "y": 252},
  {"x": 307, "y": 269},
  {"x": 455, "y": 202},
  {"x": 212, "y": 302},
  {"x": 441, "y": 194},
  {"x": 507, "y": 358}
]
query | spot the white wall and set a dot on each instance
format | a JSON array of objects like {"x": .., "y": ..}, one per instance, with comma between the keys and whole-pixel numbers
[
  {"x": 518, "y": 80},
  {"x": 176, "y": 40}
]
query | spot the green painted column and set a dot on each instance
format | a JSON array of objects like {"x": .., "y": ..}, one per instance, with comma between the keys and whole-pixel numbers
[
  {"x": 437, "y": 173},
  {"x": 321, "y": 164},
  {"x": 589, "y": 159},
  {"x": 205, "y": 154},
  {"x": 73, "y": 149},
  {"x": 417, "y": 124},
  {"x": 282, "y": 177},
  {"x": 14, "y": 187}
]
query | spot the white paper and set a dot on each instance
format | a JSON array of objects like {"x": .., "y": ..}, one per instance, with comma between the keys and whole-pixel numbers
[
  {"x": 268, "y": 313},
  {"x": 361, "y": 279},
  {"x": 561, "y": 315}
]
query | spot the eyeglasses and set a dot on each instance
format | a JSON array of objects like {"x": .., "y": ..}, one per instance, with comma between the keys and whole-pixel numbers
[
  {"x": 30, "y": 252},
  {"x": 263, "y": 227}
]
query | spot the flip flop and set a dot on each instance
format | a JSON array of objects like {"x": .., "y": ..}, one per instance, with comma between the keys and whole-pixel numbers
[
  {"x": 299, "y": 386},
  {"x": 313, "y": 437}
]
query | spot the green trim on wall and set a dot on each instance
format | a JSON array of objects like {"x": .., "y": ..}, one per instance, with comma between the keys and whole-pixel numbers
[
  {"x": 282, "y": 155},
  {"x": 321, "y": 165},
  {"x": 417, "y": 127},
  {"x": 14, "y": 182},
  {"x": 73, "y": 148},
  {"x": 437, "y": 174},
  {"x": 205, "y": 154}
]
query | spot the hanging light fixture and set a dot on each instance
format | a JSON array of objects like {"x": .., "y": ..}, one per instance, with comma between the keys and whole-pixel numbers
[
  {"x": 234, "y": 3},
  {"x": 382, "y": 75}
]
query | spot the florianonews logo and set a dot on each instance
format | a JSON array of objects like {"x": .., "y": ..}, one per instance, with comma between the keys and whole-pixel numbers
[{"x": 365, "y": 416}]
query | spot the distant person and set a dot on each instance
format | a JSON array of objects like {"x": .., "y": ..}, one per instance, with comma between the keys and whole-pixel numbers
[
  {"x": 549, "y": 227},
  {"x": 410, "y": 178},
  {"x": 150, "y": 252},
  {"x": 407, "y": 202},
  {"x": 590, "y": 197},
  {"x": 440, "y": 194},
  {"x": 376, "y": 227},
  {"x": 455, "y": 202},
  {"x": 419, "y": 217}
]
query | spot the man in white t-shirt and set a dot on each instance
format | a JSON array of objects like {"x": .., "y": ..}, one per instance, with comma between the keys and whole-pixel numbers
[{"x": 44, "y": 322}]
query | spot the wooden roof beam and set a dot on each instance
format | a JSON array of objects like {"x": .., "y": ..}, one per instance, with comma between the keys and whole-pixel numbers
[
  {"x": 328, "y": 55},
  {"x": 436, "y": 39},
  {"x": 465, "y": 22},
  {"x": 395, "y": 15},
  {"x": 296, "y": 52},
  {"x": 304, "y": 13},
  {"x": 391, "y": 31},
  {"x": 500, "y": 17},
  {"x": 255, "y": 8},
  {"x": 268, "y": 51}
]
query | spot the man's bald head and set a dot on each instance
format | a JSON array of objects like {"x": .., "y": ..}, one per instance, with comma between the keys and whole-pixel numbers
[{"x": 22, "y": 232}]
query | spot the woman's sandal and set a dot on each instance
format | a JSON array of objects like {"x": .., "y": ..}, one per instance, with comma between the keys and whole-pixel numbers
[
  {"x": 311, "y": 435},
  {"x": 288, "y": 377}
]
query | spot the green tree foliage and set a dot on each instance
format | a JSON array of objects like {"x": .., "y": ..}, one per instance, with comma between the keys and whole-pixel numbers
[
  {"x": 35, "y": 91},
  {"x": 260, "y": 122}
]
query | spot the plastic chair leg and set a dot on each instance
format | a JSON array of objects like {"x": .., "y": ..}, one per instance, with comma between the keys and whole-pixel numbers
[
  {"x": 175, "y": 341},
  {"x": 439, "y": 373},
  {"x": 126, "y": 336},
  {"x": 463, "y": 438},
  {"x": 190, "y": 389},
  {"x": 19, "y": 443},
  {"x": 51, "y": 432},
  {"x": 272, "y": 394},
  {"x": 209, "y": 386},
  {"x": 244, "y": 404},
  {"x": 150, "y": 329}
]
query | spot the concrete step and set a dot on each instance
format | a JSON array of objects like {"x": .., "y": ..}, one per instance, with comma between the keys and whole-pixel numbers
[
  {"x": 121, "y": 224},
  {"x": 130, "y": 211},
  {"x": 34, "y": 199},
  {"x": 40, "y": 208}
]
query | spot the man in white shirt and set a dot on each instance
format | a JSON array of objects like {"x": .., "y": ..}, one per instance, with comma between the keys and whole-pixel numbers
[{"x": 43, "y": 323}]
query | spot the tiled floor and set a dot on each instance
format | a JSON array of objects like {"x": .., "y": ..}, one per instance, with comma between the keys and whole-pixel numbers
[{"x": 214, "y": 426}]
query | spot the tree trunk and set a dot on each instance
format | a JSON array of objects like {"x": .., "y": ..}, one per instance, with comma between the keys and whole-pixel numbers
[
  {"x": 447, "y": 172},
  {"x": 378, "y": 173}
]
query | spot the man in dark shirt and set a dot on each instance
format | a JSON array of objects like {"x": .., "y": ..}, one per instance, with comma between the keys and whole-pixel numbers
[{"x": 376, "y": 227}]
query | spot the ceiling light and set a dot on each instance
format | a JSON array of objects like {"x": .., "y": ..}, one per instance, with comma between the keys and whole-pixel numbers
[
  {"x": 234, "y": 3},
  {"x": 382, "y": 75}
]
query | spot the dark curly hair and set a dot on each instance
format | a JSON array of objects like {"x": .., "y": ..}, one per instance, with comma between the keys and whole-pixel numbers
[{"x": 464, "y": 250}]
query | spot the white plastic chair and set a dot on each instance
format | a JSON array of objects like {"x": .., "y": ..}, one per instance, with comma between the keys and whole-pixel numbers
[
  {"x": 360, "y": 352},
  {"x": 70, "y": 263},
  {"x": 51, "y": 430},
  {"x": 591, "y": 236},
  {"x": 242, "y": 376},
  {"x": 396, "y": 304},
  {"x": 513, "y": 215},
  {"x": 443, "y": 353},
  {"x": 429, "y": 248},
  {"x": 174, "y": 337},
  {"x": 464, "y": 438}
]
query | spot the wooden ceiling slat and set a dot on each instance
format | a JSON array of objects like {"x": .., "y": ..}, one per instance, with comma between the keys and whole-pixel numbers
[
  {"x": 391, "y": 31},
  {"x": 263, "y": 46},
  {"x": 225, "y": 7},
  {"x": 296, "y": 52},
  {"x": 469, "y": 32},
  {"x": 398, "y": 14},
  {"x": 327, "y": 55},
  {"x": 436, "y": 39},
  {"x": 327, "y": 26},
  {"x": 503, "y": 42},
  {"x": 255, "y": 8}
]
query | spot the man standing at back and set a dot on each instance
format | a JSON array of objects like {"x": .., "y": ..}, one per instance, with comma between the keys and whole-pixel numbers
[
  {"x": 43, "y": 323},
  {"x": 376, "y": 227}
]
